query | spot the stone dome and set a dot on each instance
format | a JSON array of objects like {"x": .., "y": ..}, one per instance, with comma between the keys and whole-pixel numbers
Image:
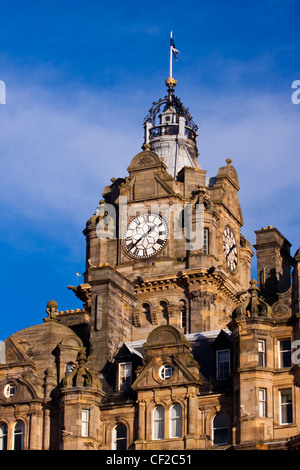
[{"x": 39, "y": 342}]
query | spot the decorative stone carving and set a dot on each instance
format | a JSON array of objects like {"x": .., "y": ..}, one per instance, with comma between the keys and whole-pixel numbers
[
  {"x": 254, "y": 305},
  {"x": 204, "y": 298},
  {"x": 52, "y": 310},
  {"x": 83, "y": 292},
  {"x": 146, "y": 160},
  {"x": 82, "y": 376}
]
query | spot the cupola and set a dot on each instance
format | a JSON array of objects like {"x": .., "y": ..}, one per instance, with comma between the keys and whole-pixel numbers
[{"x": 171, "y": 132}]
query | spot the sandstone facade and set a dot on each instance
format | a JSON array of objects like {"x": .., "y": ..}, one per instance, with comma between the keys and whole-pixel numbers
[{"x": 175, "y": 347}]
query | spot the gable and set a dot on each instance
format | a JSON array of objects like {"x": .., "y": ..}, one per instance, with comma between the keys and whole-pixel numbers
[
  {"x": 15, "y": 353},
  {"x": 149, "y": 376}
]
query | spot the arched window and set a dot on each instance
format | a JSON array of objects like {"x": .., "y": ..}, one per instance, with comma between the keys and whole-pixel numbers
[
  {"x": 18, "y": 442},
  {"x": 220, "y": 429},
  {"x": 159, "y": 422},
  {"x": 183, "y": 316},
  {"x": 146, "y": 312},
  {"x": 120, "y": 437},
  {"x": 176, "y": 421},
  {"x": 164, "y": 310},
  {"x": 3, "y": 436}
]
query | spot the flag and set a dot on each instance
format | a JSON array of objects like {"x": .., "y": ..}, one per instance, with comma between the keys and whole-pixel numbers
[{"x": 174, "y": 50}]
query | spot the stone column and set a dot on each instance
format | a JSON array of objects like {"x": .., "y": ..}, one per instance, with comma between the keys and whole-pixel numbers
[
  {"x": 46, "y": 430},
  {"x": 142, "y": 421},
  {"x": 35, "y": 436},
  {"x": 192, "y": 415}
]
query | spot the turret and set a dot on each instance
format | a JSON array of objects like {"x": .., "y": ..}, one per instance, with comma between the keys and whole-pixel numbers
[
  {"x": 171, "y": 132},
  {"x": 273, "y": 263}
]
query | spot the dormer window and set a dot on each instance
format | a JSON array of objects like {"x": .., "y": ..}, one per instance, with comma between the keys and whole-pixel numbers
[
  {"x": 222, "y": 364},
  {"x": 10, "y": 390},
  {"x": 166, "y": 371},
  {"x": 124, "y": 376}
]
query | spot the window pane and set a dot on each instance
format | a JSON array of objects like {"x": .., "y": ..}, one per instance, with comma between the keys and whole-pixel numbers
[
  {"x": 286, "y": 407},
  {"x": 262, "y": 402},
  {"x": 121, "y": 444},
  {"x": 3, "y": 436},
  {"x": 176, "y": 420},
  {"x": 121, "y": 431},
  {"x": 84, "y": 429},
  {"x": 19, "y": 436},
  {"x": 166, "y": 371},
  {"x": 285, "y": 353},
  {"x": 220, "y": 429},
  {"x": 85, "y": 416},
  {"x": 221, "y": 421},
  {"x": 223, "y": 364},
  {"x": 125, "y": 376},
  {"x": 120, "y": 437},
  {"x": 286, "y": 414},
  {"x": 182, "y": 308},
  {"x": 261, "y": 353},
  {"x": 220, "y": 436},
  {"x": 159, "y": 422}
]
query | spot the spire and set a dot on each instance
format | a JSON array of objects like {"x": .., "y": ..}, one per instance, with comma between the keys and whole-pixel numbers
[{"x": 170, "y": 130}]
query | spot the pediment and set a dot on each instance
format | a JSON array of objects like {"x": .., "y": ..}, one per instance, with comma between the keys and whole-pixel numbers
[
  {"x": 148, "y": 179},
  {"x": 14, "y": 352},
  {"x": 145, "y": 159},
  {"x": 167, "y": 347},
  {"x": 184, "y": 373}
]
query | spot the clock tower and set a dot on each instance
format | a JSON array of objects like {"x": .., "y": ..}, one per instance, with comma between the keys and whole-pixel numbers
[{"x": 164, "y": 246}]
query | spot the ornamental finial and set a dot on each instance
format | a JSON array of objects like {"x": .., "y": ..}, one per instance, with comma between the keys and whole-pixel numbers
[{"x": 171, "y": 82}]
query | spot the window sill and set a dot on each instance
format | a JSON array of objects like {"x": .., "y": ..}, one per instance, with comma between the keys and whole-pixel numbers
[{"x": 281, "y": 426}]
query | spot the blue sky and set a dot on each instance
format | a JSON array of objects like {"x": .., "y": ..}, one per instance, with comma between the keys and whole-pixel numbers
[{"x": 80, "y": 78}]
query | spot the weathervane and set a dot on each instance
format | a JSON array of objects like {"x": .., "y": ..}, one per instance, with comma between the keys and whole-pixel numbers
[{"x": 171, "y": 82}]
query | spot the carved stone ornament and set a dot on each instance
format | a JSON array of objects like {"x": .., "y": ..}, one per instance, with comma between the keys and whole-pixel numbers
[
  {"x": 205, "y": 298},
  {"x": 52, "y": 310},
  {"x": 254, "y": 306},
  {"x": 82, "y": 376},
  {"x": 146, "y": 160}
]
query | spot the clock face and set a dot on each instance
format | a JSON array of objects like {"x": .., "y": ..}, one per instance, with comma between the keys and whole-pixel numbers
[
  {"x": 146, "y": 235},
  {"x": 230, "y": 249}
]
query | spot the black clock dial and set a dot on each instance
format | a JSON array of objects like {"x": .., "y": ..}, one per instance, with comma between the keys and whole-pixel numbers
[{"x": 145, "y": 235}]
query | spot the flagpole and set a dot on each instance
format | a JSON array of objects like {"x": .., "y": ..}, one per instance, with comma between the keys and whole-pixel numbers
[
  {"x": 171, "y": 54},
  {"x": 171, "y": 82}
]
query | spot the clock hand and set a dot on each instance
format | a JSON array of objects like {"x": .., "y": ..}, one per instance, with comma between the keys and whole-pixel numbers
[
  {"x": 233, "y": 246},
  {"x": 143, "y": 236}
]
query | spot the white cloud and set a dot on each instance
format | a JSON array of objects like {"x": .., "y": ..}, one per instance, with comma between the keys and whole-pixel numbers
[
  {"x": 55, "y": 158},
  {"x": 260, "y": 134},
  {"x": 58, "y": 152}
]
